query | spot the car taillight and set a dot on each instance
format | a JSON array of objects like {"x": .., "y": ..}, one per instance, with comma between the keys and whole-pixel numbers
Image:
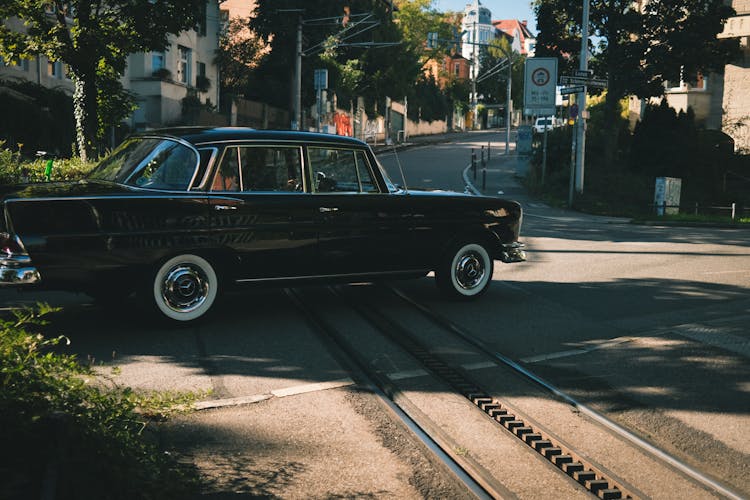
[{"x": 11, "y": 244}]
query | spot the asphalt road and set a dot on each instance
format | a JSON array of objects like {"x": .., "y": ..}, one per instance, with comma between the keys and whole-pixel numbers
[{"x": 650, "y": 325}]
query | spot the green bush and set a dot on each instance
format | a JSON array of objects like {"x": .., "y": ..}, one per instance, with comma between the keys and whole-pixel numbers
[
  {"x": 14, "y": 169},
  {"x": 63, "y": 436}
]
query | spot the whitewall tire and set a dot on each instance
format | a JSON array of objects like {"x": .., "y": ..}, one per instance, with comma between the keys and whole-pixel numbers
[
  {"x": 184, "y": 288},
  {"x": 466, "y": 271}
]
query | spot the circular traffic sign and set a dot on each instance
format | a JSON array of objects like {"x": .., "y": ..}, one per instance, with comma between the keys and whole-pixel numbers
[{"x": 540, "y": 77}]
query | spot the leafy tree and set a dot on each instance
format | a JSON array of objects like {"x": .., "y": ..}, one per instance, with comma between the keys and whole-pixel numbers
[
  {"x": 240, "y": 51},
  {"x": 641, "y": 45},
  {"x": 371, "y": 71},
  {"x": 494, "y": 89},
  {"x": 94, "y": 38}
]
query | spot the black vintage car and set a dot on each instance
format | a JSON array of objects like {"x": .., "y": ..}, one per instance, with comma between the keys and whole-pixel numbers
[{"x": 179, "y": 215}]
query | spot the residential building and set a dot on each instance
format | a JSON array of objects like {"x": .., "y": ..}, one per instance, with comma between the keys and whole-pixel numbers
[
  {"x": 159, "y": 80},
  {"x": 451, "y": 67},
  {"x": 40, "y": 70},
  {"x": 523, "y": 40},
  {"x": 735, "y": 100},
  {"x": 162, "y": 80},
  {"x": 720, "y": 101}
]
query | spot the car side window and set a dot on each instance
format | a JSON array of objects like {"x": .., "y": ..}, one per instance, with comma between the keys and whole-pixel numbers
[
  {"x": 227, "y": 176},
  {"x": 170, "y": 166},
  {"x": 340, "y": 170},
  {"x": 271, "y": 168},
  {"x": 367, "y": 183}
]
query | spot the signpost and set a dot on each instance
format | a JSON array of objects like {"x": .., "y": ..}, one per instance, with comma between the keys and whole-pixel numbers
[
  {"x": 540, "y": 93},
  {"x": 540, "y": 85},
  {"x": 571, "y": 90},
  {"x": 588, "y": 81}
]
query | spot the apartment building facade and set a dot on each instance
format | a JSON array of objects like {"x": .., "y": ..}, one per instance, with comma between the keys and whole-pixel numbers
[
  {"x": 160, "y": 80},
  {"x": 735, "y": 85}
]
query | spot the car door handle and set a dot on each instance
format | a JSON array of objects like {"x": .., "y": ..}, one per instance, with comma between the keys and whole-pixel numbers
[
  {"x": 325, "y": 210},
  {"x": 225, "y": 207}
]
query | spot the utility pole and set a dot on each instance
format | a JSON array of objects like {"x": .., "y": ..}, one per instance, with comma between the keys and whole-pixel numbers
[
  {"x": 474, "y": 68},
  {"x": 507, "y": 102},
  {"x": 581, "y": 128},
  {"x": 297, "y": 118}
]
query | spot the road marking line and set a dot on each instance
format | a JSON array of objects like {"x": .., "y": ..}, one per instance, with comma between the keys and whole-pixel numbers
[
  {"x": 580, "y": 350},
  {"x": 278, "y": 393},
  {"x": 716, "y": 338},
  {"x": 702, "y": 333}
]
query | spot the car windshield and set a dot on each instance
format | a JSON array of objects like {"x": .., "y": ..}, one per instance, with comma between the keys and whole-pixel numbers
[{"x": 147, "y": 162}]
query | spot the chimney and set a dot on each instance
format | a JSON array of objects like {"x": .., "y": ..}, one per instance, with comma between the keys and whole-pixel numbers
[{"x": 525, "y": 23}]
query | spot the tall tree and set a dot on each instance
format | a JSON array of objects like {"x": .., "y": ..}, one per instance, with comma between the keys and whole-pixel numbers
[
  {"x": 641, "y": 45},
  {"x": 94, "y": 38},
  {"x": 362, "y": 65},
  {"x": 240, "y": 51}
]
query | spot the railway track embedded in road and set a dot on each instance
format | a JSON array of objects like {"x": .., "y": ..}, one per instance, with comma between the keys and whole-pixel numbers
[{"x": 566, "y": 458}]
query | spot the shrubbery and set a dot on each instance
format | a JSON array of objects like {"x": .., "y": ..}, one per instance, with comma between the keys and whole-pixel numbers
[
  {"x": 663, "y": 143},
  {"x": 14, "y": 169},
  {"x": 64, "y": 437}
]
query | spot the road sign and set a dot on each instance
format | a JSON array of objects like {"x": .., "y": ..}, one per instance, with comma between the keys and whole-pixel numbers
[
  {"x": 577, "y": 80},
  {"x": 540, "y": 85},
  {"x": 583, "y": 73},
  {"x": 321, "y": 79},
  {"x": 571, "y": 90}
]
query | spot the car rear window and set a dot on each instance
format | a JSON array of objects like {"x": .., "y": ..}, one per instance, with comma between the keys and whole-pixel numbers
[{"x": 341, "y": 170}]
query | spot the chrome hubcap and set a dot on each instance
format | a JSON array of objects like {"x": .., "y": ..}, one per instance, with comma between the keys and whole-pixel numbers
[
  {"x": 185, "y": 288},
  {"x": 470, "y": 270}
]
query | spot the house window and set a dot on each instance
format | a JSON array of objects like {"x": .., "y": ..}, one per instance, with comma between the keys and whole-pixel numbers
[
  {"x": 157, "y": 61},
  {"x": 183, "y": 66},
  {"x": 55, "y": 69},
  {"x": 21, "y": 64},
  {"x": 200, "y": 27},
  {"x": 457, "y": 69},
  {"x": 224, "y": 21}
]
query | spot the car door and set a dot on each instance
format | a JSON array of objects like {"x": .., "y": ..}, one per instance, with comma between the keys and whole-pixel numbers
[
  {"x": 363, "y": 230},
  {"x": 260, "y": 211}
]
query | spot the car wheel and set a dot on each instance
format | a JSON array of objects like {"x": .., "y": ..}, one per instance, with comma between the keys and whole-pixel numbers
[
  {"x": 184, "y": 288},
  {"x": 466, "y": 271}
]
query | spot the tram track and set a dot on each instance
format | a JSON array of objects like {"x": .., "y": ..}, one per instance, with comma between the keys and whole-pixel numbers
[
  {"x": 586, "y": 472},
  {"x": 477, "y": 481},
  {"x": 570, "y": 464}
]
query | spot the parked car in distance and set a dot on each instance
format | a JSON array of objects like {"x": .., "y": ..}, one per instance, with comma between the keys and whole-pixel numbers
[
  {"x": 543, "y": 123},
  {"x": 179, "y": 215}
]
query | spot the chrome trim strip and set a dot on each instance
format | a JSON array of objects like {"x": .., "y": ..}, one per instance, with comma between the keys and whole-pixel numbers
[{"x": 324, "y": 276}]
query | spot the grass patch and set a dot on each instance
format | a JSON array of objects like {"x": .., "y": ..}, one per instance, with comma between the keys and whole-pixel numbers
[
  {"x": 64, "y": 436},
  {"x": 706, "y": 219}
]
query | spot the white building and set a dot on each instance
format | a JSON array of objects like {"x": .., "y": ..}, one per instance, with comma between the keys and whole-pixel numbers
[{"x": 159, "y": 80}]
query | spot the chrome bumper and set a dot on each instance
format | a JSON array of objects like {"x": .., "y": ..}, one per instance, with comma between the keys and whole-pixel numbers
[
  {"x": 512, "y": 252},
  {"x": 17, "y": 270}
]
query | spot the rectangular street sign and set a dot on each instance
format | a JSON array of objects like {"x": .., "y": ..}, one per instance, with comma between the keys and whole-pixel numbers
[
  {"x": 540, "y": 81},
  {"x": 577, "y": 80},
  {"x": 583, "y": 73},
  {"x": 571, "y": 90}
]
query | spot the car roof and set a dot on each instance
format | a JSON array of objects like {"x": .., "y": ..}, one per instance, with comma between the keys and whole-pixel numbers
[{"x": 204, "y": 135}]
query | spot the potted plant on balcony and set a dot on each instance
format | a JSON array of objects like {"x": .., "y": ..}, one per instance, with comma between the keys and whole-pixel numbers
[
  {"x": 202, "y": 83},
  {"x": 162, "y": 74}
]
